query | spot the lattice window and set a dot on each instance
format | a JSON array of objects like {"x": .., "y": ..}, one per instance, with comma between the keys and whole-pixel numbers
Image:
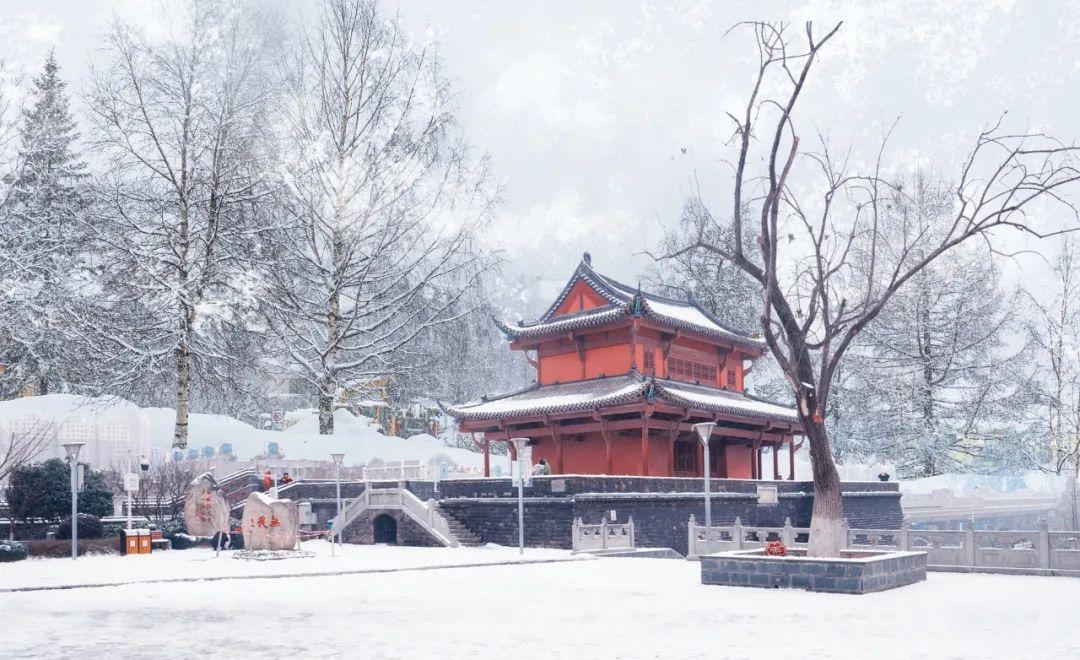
[
  {"x": 690, "y": 370},
  {"x": 686, "y": 457},
  {"x": 650, "y": 361}
]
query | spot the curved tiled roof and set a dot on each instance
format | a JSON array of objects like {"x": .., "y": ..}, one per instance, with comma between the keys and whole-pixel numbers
[
  {"x": 589, "y": 395},
  {"x": 626, "y": 301}
]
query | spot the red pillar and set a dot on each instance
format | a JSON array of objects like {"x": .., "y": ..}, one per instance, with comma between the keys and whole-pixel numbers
[
  {"x": 701, "y": 459},
  {"x": 607, "y": 445},
  {"x": 487, "y": 456},
  {"x": 644, "y": 448},
  {"x": 791, "y": 458}
]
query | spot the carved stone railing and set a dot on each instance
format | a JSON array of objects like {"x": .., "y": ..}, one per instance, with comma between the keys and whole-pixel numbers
[
  {"x": 1035, "y": 550},
  {"x": 604, "y": 536},
  {"x": 399, "y": 471}
]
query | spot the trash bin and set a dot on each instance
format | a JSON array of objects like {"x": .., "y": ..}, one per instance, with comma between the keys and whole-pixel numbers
[
  {"x": 129, "y": 542},
  {"x": 144, "y": 541}
]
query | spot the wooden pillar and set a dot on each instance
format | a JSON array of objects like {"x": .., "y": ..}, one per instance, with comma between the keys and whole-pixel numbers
[
  {"x": 673, "y": 435},
  {"x": 755, "y": 460},
  {"x": 510, "y": 447},
  {"x": 558, "y": 467},
  {"x": 487, "y": 456},
  {"x": 607, "y": 444},
  {"x": 776, "y": 461},
  {"x": 700, "y": 458},
  {"x": 644, "y": 446},
  {"x": 791, "y": 458},
  {"x": 721, "y": 447}
]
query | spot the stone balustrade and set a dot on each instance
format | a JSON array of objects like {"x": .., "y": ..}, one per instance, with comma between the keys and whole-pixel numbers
[
  {"x": 1037, "y": 551},
  {"x": 604, "y": 536}
]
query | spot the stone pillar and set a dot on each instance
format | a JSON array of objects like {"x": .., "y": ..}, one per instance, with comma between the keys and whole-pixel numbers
[
  {"x": 1044, "y": 544},
  {"x": 969, "y": 546},
  {"x": 691, "y": 537}
]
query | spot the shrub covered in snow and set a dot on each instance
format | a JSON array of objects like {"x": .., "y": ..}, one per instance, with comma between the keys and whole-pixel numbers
[
  {"x": 90, "y": 527},
  {"x": 12, "y": 551}
]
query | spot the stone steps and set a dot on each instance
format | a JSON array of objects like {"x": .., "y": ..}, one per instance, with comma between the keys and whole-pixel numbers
[{"x": 461, "y": 532}]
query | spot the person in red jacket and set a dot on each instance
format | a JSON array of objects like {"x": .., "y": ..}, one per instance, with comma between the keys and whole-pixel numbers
[{"x": 267, "y": 481}]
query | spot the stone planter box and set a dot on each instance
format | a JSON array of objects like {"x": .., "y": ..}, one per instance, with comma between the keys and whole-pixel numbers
[{"x": 854, "y": 572}]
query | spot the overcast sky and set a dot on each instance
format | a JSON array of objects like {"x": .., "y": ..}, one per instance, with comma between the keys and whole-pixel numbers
[{"x": 598, "y": 114}]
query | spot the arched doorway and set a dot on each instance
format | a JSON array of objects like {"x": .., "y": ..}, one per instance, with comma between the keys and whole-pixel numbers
[{"x": 385, "y": 528}]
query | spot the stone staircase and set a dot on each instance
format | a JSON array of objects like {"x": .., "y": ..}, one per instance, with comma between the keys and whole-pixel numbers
[{"x": 460, "y": 531}]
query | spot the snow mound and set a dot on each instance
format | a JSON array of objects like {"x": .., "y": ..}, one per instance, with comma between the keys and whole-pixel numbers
[{"x": 111, "y": 426}]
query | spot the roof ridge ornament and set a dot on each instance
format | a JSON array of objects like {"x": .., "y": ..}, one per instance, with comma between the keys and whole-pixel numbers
[{"x": 586, "y": 258}]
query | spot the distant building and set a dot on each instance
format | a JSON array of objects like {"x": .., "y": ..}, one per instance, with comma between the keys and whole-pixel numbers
[{"x": 621, "y": 375}]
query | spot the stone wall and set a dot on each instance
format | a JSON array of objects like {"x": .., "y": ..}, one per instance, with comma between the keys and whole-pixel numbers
[
  {"x": 859, "y": 573},
  {"x": 660, "y": 506}
]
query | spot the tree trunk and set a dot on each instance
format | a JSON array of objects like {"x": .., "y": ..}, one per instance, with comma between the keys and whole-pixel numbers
[
  {"x": 827, "y": 520},
  {"x": 326, "y": 413},
  {"x": 183, "y": 395}
]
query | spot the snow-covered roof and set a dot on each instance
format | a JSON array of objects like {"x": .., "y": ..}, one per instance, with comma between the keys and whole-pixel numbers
[
  {"x": 585, "y": 395},
  {"x": 624, "y": 302}
]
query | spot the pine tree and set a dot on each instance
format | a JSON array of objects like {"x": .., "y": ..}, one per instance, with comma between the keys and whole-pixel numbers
[{"x": 41, "y": 220}]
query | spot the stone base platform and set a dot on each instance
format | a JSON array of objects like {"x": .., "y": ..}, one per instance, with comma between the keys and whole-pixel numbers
[{"x": 854, "y": 572}]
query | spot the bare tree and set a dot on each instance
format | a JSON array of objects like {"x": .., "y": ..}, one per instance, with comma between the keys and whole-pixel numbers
[
  {"x": 825, "y": 263},
  {"x": 182, "y": 122},
  {"x": 381, "y": 207}
]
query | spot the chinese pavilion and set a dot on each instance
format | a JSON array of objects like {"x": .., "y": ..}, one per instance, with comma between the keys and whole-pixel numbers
[{"x": 621, "y": 375}]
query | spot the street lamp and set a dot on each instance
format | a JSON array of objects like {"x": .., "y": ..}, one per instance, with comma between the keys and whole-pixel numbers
[
  {"x": 704, "y": 432},
  {"x": 519, "y": 448},
  {"x": 338, "y": 460},
  {"x": 72, "y": 449}
]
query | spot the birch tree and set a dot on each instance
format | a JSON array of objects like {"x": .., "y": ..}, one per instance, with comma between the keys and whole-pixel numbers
[
  {"x": 815, "y": 302},
  {"x": 382, "y": 202},
  {"x": 182, "y": 121}
]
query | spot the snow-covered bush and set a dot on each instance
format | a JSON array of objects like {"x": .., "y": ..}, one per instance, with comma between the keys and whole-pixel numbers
[
  {"x": 12, "y": 551},
  {"x": 90, "y": 527},
  {"x": 181, "y": 541}
]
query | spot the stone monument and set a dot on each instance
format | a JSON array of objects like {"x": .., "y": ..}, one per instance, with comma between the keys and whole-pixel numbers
[
  {"x": 205, "y": 510},
  {"x": 270, "y": 524}
]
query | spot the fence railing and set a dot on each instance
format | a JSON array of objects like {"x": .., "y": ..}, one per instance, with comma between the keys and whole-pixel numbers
[
  {"x": 1038, "y": 549},
  {"x": 604, "y": 536},
  {"x": 399, "y": 471}
]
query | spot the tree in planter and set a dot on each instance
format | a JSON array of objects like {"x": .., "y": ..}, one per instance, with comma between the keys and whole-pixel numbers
[
  {"x": 43, "y": 492},
  {"x": 825, "y": 263}
]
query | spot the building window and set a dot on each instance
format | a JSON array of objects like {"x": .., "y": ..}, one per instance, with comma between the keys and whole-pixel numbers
[
  {"x": 685, "y": 457},
  {"x": 650, "y": 361},
  {"x": 731, "y": 379},
  {"x": 690, "y": 370}
]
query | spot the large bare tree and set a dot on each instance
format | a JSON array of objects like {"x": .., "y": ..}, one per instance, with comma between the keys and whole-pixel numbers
[
  {"x": 825, "y": 264},
  {"x": 181, "y": 120},
  {"x": 381, "y": 201}
]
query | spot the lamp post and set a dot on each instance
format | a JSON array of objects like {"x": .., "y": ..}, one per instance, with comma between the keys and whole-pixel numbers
[
  {"x": 72, "y": 449},
  {"x": 704, "y": 432},
  {"x": 519, "y": 448},
  {"x": 338, "y": 460}
]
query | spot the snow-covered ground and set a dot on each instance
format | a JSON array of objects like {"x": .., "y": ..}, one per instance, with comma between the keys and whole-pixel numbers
[
  {"x": 112, "y": 425},
  {"x": 605, "y": 608},
  {"x": 198, "y": 563}
]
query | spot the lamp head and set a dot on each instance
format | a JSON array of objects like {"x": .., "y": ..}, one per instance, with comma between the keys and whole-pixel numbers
[
  {"x": 144, "y": 464},
  {"x": 704, "y": 431},
  {"x": 73, "y": 449},
  {"x": 519, "y": 444}
]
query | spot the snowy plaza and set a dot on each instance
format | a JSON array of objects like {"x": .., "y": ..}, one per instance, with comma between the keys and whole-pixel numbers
[
  {"x": 590, "y": 608},
  {"x": 628, "y": 329}
]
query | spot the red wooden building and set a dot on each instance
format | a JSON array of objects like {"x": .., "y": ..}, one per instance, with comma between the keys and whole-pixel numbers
[{"x": 621, "y": 375}]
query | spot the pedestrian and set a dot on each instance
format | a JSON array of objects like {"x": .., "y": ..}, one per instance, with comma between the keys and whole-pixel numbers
[
  {"x": 267, "y": 481},
  {"x": 286, "y": 479},
  {"x": 542, "y": 467}
]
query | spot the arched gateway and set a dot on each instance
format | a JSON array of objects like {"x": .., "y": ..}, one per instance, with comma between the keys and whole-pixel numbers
[{"x": 384, "y": 529}]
